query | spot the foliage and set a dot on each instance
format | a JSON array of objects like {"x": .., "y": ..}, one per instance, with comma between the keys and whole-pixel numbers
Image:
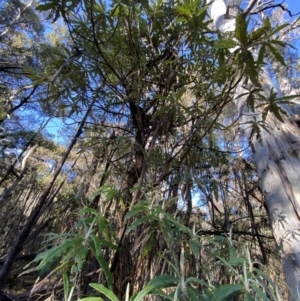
[{"x": 150, "y": 189}]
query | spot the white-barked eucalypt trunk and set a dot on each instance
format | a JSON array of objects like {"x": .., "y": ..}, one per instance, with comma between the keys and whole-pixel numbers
[{"x": 277, "y": 158}]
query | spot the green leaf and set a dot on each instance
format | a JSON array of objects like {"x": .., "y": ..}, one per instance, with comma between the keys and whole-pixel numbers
[
  {"x": 277, "y": 29},
  {"x": 163, "y": 281},
  {"x": 46, "y": 6},
  {"x": 106, "y": 270},
  {"x": 97, "y": 244},
  {"x": 109, "y": 244},
  {"x": 251, "y": 70},
  {"x": 241, "y": 28},
  {"x": 227, "y": 291},
  {"x": 224, "y": 44},
  {"x": 90, "y": 299},
  {"x": 261, "y": 54},
  {"x": 275, "y": 109},
  {"x": 101, "y": 224},
  {"x": 192, "y": 293},
  {"x": 142, "y": 207},
  {"x": 276, "y": 54},
  {"x": 80, "y": 256},
  {"x": 51, "y": 256},
  {"x": 145, "y": 3},
  {"x": 66, "y": 283},
  {"x": 257, "y": 34},
  {"x": 183, "y": 11},
  {"x": 196, "y": 280},
  {"x": 250, "y": 102},
  {"x": 105, "y": 291},
  {"x": 260, "y": 293},
  {"x": 111, "y": 194},
  {"x": 139, "y": 221},
  {"x": 248, "y": 297},
  {"x": 267, "y": 23}
]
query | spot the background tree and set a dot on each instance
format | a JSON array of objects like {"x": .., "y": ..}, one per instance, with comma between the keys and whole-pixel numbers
[{"x": 157, "y": 170}]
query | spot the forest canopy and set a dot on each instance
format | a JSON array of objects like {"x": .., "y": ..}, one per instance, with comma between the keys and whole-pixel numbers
[{"x": 149, "y": 150}]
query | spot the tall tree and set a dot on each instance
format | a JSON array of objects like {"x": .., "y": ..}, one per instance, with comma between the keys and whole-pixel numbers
[
  {"x": 164, "y": 93},
  {"x": 276, "y": 146}
]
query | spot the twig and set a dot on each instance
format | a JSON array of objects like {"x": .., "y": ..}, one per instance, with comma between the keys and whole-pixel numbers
[{"x": 273, "y": 6}]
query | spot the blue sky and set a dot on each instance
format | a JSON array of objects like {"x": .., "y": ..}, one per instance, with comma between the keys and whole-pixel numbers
[{"x": 294, "y": 5}]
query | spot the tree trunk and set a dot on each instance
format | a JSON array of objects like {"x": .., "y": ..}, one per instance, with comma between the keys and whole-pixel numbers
[
  {"x": 277, "y": 160},
  {"x": 33, "y": 218}
]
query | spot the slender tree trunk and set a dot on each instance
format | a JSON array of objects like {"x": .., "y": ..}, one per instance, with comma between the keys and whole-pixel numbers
[
  {"x": 278, "y": 166},
  {"x": 33, "y": 218}
]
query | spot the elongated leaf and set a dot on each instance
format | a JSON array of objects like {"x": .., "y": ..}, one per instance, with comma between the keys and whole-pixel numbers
[
  {"x": 106, "y": 270},
  {"x": 66, "y": 285},
  {"x": 111, "y": 194},
  {"x": 97, "y": 244},
  {"x": 248, "y": 297},
  {"x": 192, "y": 293},
  {"x": 140, "y": 221},
  {"x": 183, "y": 11},
  {"x": 241, "y": 28},
  {"x": 277, "y": 29},
  {"x": 47, "y": 6},
  {"x": 162, "y": 281},
  {"x": 105, "y": 291},
  {"x": 226, "y": 291},
  {"x": 196, "y": 280},
  {"x": 276, "y": 54},
  {"x": 261, "y": 54},
  {"x": 140, "y": 208},
  {"x": 224, "y": 44},
  {"x": 90, "y": 299},
  {"x": 257, "y": 34},
  {"x": 260, "y": 293}
]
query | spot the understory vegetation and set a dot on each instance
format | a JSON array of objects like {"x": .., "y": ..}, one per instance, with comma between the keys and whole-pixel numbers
[{"x": 127, "y": 171}]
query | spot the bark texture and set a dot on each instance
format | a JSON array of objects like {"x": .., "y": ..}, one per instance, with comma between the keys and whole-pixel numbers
[{"x": 278, "y": 165}]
